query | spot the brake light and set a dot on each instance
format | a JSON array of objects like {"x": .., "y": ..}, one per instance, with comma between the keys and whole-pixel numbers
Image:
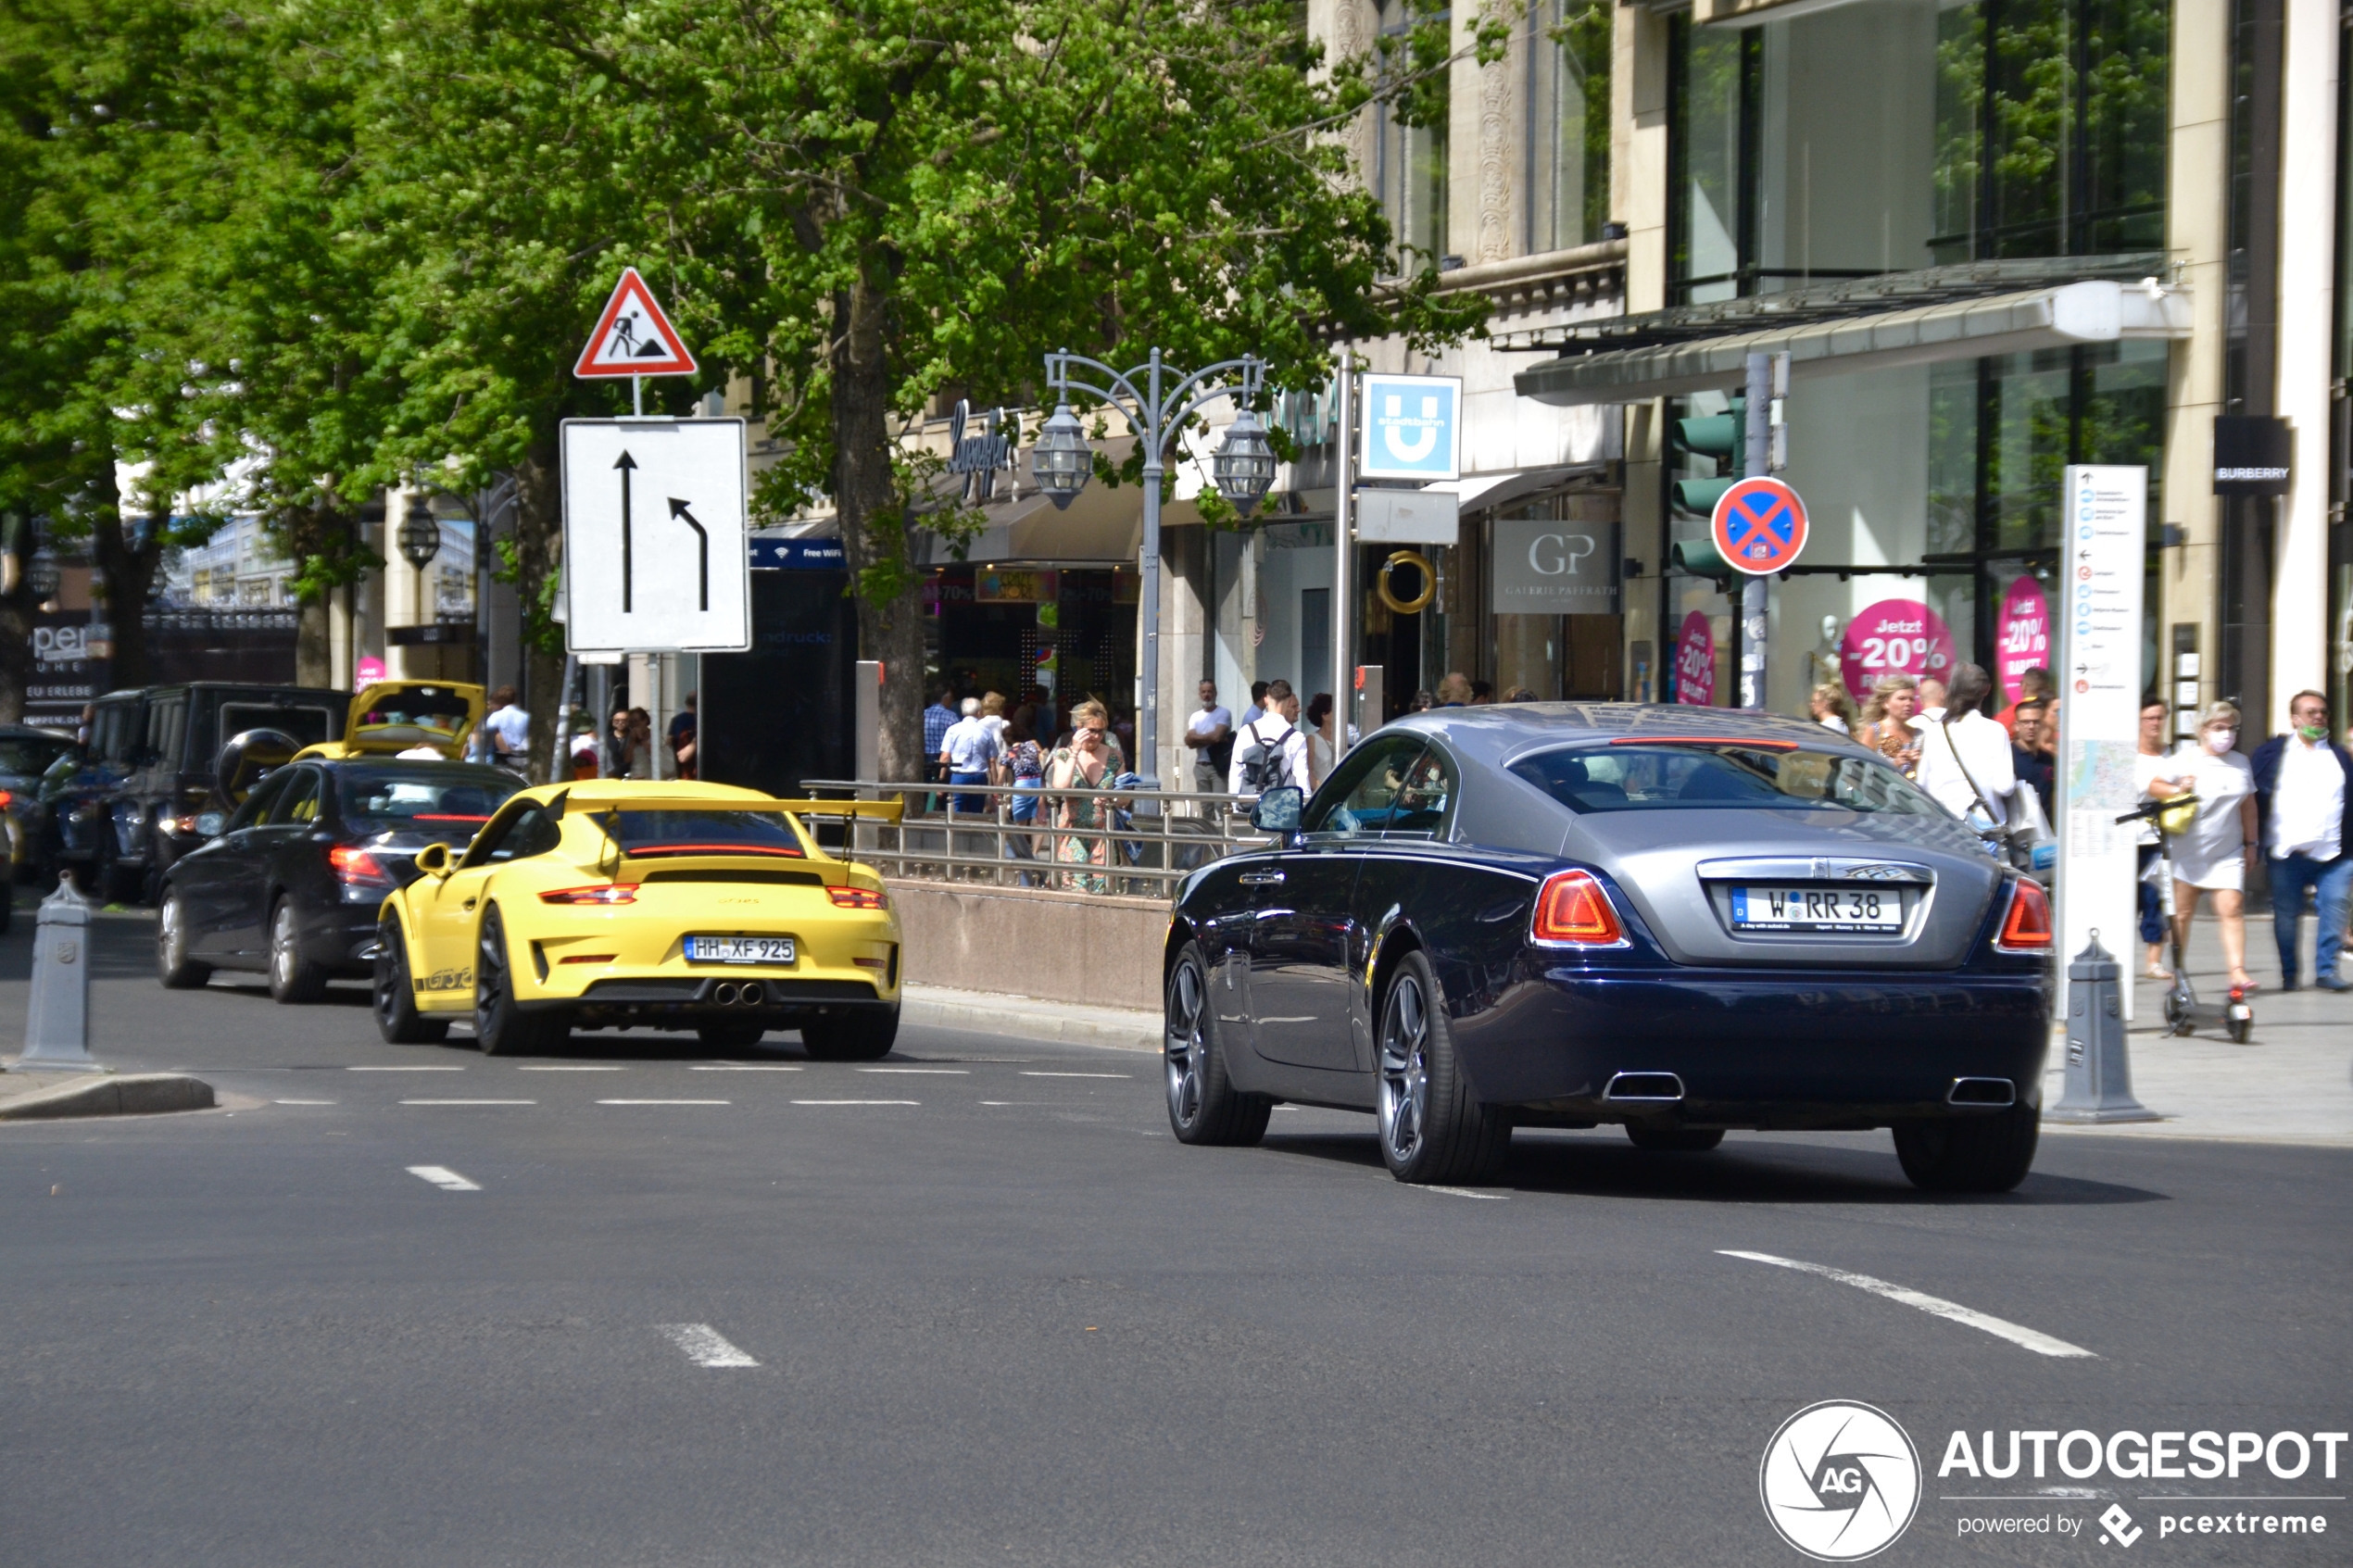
[
  {"x": 610, "y": 893},
  {"x": 859, "y": 897},
  {"x": 7, "y": 799},
  {"x": 353, "y": 865},
  {"x": 2026, "y": 928},
  {"x": 1573, "y": 910}
]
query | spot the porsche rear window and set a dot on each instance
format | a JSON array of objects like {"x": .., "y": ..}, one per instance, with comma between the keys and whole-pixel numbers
[
  {"x": 647, "y": 835},
  {"x": 432, "y": 798},
  {"x": 1719, "y": 776}
]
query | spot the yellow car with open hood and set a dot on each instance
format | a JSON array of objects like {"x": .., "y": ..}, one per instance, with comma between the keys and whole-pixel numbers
[{"x": 618, "y": 903}]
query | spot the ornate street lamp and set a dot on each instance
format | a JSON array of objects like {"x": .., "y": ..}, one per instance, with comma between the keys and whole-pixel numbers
[
  {"x": 1243, "y": 468},
  {"x": 420, "y": 535}
]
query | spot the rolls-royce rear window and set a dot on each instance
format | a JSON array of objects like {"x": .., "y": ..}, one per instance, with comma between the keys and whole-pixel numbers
[{"x": 1720, "y": 775}]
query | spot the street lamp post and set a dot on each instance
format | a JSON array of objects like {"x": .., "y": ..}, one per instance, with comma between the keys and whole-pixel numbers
[{"x": 1243, "y": 468}]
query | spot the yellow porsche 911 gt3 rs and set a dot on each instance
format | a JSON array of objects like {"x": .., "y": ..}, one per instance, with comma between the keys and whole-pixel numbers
[{"x": 617, "y": 902}]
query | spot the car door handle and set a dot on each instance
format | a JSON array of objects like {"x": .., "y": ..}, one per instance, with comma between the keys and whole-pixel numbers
[
  {"x": 467, "y": 905},
  {"x": 1261, "y": 879}
]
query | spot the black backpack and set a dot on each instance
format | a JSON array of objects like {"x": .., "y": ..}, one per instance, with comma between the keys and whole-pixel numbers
[{"x": 1263, "y": 763}]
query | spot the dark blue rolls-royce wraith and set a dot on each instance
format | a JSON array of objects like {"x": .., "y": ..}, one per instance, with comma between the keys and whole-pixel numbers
[{"x": 1680, "y": 920}]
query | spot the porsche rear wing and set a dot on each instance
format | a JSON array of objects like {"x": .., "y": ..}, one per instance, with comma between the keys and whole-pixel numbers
[{"x": 869, "y": 811}]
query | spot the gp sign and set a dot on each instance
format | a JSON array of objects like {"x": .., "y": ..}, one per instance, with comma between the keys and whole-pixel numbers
[
  {"x": 1412, "y": 428},
  {"x": 1553, "y": 568}
]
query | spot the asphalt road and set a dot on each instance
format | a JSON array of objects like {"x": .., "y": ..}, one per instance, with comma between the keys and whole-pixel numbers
[{"x": 975, "y": 1305}]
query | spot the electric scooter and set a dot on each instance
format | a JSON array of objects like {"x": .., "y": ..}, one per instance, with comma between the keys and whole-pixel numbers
[{"x": 2184, "y": 1011}]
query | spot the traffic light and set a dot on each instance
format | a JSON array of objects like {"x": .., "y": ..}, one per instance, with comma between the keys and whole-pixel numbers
[
  {"x": 1700, "y": 557},
  {"x": 1717, "y": 436}
]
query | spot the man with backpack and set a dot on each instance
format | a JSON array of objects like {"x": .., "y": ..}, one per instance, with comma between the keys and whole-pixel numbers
[{"x": 1271, "y": 750}]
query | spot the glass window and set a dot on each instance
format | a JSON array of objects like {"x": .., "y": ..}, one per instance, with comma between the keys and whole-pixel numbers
[
  {"x": 432, "y": 799},
  {"x": 1423, "y": 799},
  {"x": 530, "y": 831},
  {"x": 1718, "y": 777},
  {"x": 31, "y": 756},
  {"x": 1356, "y": 800},
  {"x": 702, "y": 830},
  {"x": 309, "y": 725},
  {"x": 1409, "y": 161},
  {"x": 115, "y": 732},
  {"x": 1713, "y": 78},
  {"x": 1568, "y": 133},
  {"x": 265, "y": 794},
  {"x": 298, "y": 802},
  {"x": 166, "y": 726}
]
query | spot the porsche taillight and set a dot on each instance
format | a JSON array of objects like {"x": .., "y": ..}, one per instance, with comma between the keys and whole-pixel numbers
[
  {"x": 608, "y": 893},
  {"x": 858, "y": 898},
  {"x": 1573, "y": 910},
  {"x": 2026, "y": 925}
]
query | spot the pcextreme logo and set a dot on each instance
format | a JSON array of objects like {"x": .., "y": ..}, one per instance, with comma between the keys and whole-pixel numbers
[{"x": 1840, "y": 1481}]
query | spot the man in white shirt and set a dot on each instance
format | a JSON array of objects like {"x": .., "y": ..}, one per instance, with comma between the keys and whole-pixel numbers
[
  {"x": 2301, "y": 786},
  {"x": 507, "y": 729},
  {"x": 1271, "y": 751},
  {"x": 1209, "y": 735},
  {"x": 1965, "y": 757},
  {"x": 967, "y": 751}
]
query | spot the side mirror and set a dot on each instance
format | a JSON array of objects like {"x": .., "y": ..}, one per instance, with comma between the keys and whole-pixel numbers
[
  {"x": 209, "y": 823},
  {"x": 1278, "y": 809},
  {"x": 434, "y": 859}
]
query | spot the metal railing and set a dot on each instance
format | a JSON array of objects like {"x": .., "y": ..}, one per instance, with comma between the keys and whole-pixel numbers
[{"x": 1140, "y": 844}]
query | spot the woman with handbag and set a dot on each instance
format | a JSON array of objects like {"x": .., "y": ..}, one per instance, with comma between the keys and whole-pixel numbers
[
  {"x": 2210, "y": 854},
  {"x": 1965, "y": 757}
]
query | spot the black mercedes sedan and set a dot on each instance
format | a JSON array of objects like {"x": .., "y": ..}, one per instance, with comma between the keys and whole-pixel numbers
[
  {"x": 293, "y": 883},
  {"x": 1678, "y": 920}
]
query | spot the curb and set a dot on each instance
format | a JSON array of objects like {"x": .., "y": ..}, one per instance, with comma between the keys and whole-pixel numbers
[
  {"x": 89, "y": 1093},
  {"x": 1029, "y": 1018}
]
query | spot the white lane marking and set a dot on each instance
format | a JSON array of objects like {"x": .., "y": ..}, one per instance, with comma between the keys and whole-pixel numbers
[
  {"x": 469, "y": 1102},
  {"x": 857, "y": 1102},
  {"x": 1078, "y": 1074},
  {"x": 305, "y": 1102},
  {"x": 404, "y": 1069},
  {"x": 665, "y": 1102},
  {"x": 943, "y": 1071},
  {"x": 1465, "y": 1192},
  {"x": 444, "y": 1177},
  {"x": 748, "y": 1067},
  {"x": 703, "y": 1345},
  {"x": 1936, "y": 1306},
  {"x": 571, "y": 1069}
]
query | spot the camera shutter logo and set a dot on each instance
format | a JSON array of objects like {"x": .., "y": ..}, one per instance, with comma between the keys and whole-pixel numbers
[{"x": 1840, "y": 1481}]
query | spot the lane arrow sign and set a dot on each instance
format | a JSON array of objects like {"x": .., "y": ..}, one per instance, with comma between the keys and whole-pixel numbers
[
  {"x": 678, "y": 510},
  {"x": 628, "y": 563}
]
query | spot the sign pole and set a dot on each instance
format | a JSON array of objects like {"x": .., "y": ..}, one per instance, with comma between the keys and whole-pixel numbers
[
  {"x": 1756, "y": 603},
  {"x": 1343, "y": 517},
  {"x": 638, "y": 396}
]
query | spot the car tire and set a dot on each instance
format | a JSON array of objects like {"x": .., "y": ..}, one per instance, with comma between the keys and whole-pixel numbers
[
  {"x": 1674, "y": 1141},
  {"x": 866, "y": 1035},
  {"x": 173, "y": 966},
  {"x": 1203, "y": 1106},
  {"x": 294, "y": 979},
  {"x": 1969, "y": 1154},
  {"x": 500, "y": 1027},
  {"x": 394, "y": 993},
  {"x": 730, "y": 1037},
  {"x": 1432, "y": 1126}
]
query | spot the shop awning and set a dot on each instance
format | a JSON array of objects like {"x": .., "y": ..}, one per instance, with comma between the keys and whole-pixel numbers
[
  {"x": 2098, "y": 310},
  {"x": 1480, "y": 492}
]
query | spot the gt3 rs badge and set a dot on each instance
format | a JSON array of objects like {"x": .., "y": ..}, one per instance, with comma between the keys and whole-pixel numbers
[{"x": 446, "y": 980}]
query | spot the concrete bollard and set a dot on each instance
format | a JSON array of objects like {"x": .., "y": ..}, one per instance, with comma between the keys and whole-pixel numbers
[
  {"x": 56, "y": 1028},
  {"x": 2099, "y": 1075}
]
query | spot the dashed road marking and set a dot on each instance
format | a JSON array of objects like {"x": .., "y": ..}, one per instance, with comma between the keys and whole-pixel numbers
[
  {"x": 469, "y": 1102},
  {"x": 665, "y": 1102},
  {"x": 405, "y": 1068},
  {"x": 1031, "y": 1074},
  {"x": 1465, "y": 1192},
  {"x": 444, "y": 1177},
  {"x": 704, "y": 1345},
  {"x": 2001, "y": 1328},
  {"x": 748, "y": 1067},
  {"x": 572, "y": 1069},
  {"x": 305, "y": 1102},
  {"x": 857, "y": 1103},
  {"x": 943, "y": 1071}
]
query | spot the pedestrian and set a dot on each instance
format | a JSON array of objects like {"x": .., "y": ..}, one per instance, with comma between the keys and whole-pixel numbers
[
  {"x": 1887, "y": 722},
  {"x": 684, "y": 750},
  {"x": 2304, "y": 788},
  {"x": 936, "y": 718},
  {"x": 583, "y": 751},
  {"x": 1257, "y": 709},
  {"x": 2151, "y": 763},
  {"x": 967, "y": 753},
  {"x": 1424, "y": 700},
  {"x": 1271, "y": 751},
  {"x": 992, "y": 713},
  {"x": 1482, "y": 694},
  {"x": 1965, "y": 757},
  {"x": 1520, "y": 694},
  {"x": 628, "y": 752},
  {"x": 1319, "y": 739},
  {"x": 1829, "y": 706},
  {"x": 2210, "y": 854},
  {"x": 1454, "y": 690},
  {"x": 1091, "y": 760},
  {"x": 1025, "y": 768},
  {"x": 1209, "y": 735},
  {"x": 507, "y": 729},
  {"x": 1933, "y": 697},
  {"x": 2034, "y": 685},
  {"x": 2028, "y": 760}
]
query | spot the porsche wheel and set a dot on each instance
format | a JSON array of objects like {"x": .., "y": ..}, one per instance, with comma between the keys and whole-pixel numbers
[
  {"x": 1432, "y": 1127},
  {"x": 173, "y": 967},
  {"x": 864, "y": 1035},
  {"x": 294, "y": 979},
  {"x": 501, "y": 1028},
  {"x": 1203, "y": 1106},
  {"x": 397, "y": 1018}
]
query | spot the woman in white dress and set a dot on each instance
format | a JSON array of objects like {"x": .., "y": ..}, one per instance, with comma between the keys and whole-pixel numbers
[{"x": 2210, "y": 855}]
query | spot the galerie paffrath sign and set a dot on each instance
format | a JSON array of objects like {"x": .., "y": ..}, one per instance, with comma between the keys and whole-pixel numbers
[
  {"x": 1554, "y": 567},
  {"x": 1412, "y": 428},
  {"x": 2099, "y": 623}
]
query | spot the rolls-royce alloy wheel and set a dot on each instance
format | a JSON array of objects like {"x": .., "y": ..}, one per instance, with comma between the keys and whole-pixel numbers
[
  {"x": 1432, "y": 1127},
  {"x": 1204, "y": 1105}
]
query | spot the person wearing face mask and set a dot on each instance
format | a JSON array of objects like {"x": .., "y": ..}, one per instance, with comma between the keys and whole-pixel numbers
[
  {"x": 2304, "y": 788},
  {"x": 2210, "y": 854}
]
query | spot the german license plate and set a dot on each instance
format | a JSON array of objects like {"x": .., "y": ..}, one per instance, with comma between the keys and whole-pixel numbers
[
  {"x": 739, "y": 950},
  {"x": 1817, "y": 909}
]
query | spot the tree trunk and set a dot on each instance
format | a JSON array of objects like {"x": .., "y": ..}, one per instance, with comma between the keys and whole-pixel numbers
[
  {"x": 314, "y": 651},
  {"x": 538, "y": 557},
  {"x": 873, "y": 527},
  {"x": 130, "y": 570}
]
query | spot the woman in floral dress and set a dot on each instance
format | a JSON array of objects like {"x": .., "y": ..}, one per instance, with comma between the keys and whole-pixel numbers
[{"x": 1088, "y": 759}]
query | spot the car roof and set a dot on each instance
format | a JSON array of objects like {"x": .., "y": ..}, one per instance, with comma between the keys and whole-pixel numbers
[
  {"x": 620, "y": 792},
  {"x": 1499, "y": 734}
]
